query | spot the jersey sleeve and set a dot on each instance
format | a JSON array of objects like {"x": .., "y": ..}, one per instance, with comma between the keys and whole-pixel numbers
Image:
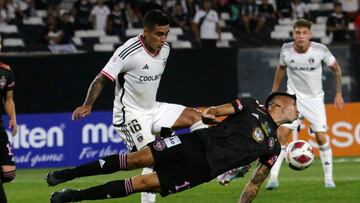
[
  {"x": 281, "y": 58},
  {"x": 114, "y": 66},
  {"x": 197, "y": 17},
  {"x": 329, "y": 59},
  {"x": 10, "y": 81},
  {"x": 269, "y": 160},
  {"x": 244, "y": 103}
]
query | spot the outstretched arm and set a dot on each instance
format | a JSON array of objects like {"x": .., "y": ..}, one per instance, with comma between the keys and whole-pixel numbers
[
  {"x": 94, "y": 91},
  {"x": 279, "y": 76},
  {"x": 253, "y": 186},
  {"x": 339, "y": 101},
  {"x": 210, "y": 114}
]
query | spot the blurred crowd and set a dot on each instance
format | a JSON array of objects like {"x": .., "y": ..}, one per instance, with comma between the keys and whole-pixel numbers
[{"x": 115, "y": 16}]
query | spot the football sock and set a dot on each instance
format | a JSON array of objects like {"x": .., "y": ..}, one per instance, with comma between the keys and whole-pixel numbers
[
  {"x": 198, "y": 125},
  {"x": 326, "y": 160},
  {"x": 147, "y": 197},
  {"x": 274, "y": 173},
  {"x": 113, "y": 189},
  {"x": 105, "y": 165}
]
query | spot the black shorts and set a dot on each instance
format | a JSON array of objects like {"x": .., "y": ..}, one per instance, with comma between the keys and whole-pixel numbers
[
  {"x": 180, "y": 163},
  {"x": 6, "y": 155}
]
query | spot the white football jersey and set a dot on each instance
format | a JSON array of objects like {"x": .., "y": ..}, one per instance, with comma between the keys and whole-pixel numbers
[
  {"x": 137, "y": 73},
  {"x": 304, "y": 70}
]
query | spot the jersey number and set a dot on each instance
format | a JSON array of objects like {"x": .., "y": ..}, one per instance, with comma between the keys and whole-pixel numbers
[{"x": 133, "y": 126}]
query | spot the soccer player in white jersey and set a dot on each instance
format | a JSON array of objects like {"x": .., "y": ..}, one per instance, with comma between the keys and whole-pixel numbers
[
  {"x": 302, "y": 61},
  {"x": 137, "y": 67}
]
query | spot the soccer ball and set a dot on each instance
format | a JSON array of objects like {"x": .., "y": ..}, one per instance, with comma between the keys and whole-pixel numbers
[{"x": 299, "y": 155}]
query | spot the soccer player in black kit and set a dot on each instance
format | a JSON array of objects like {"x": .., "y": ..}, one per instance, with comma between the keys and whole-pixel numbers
[
  {"x": 8, "y": 105},
  {"x": 185, "y": 161}
]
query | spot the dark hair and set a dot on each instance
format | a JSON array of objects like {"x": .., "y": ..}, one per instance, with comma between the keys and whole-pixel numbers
[
  {"x": 270, "y": 99},
  {"x": 302, "y": 23},
  {"x": 337, "y": 4},
  {"x": 156, "y": 17}
]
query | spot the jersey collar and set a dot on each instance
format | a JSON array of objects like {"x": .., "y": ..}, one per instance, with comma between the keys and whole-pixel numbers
[{"x": 141, "y": 38}]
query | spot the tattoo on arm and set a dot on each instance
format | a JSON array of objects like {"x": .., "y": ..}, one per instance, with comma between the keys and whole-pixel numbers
[
  {"x": 337, "y": 71},
  {"x": 253, "y": 186},
  {"x": 95, "y": 89}
]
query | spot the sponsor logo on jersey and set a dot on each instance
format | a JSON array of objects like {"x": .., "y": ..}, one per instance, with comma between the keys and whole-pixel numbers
[
  {"x": 146, "y": 67},
  {"x": 159, "y": 145},
  {"x": 2, "y": 82},
  {"x": 150, "y": 77},
  {"x": 271, "y": 143},
  {"x": 302, "y": 68},
  {"x": 258, "y": 135},
  {"x": 272, "y": 160}
]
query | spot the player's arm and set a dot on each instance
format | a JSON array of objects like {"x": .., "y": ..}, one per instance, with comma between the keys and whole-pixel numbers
[
  {"x": 93, "y": 93},
  {"x": 279, "y": 76},
  {"x": 253, "y": 186},
  {"x": 209, "y": 115},
  {"x": 9, "y": 106},
  {"x": 339, "y": 101}
]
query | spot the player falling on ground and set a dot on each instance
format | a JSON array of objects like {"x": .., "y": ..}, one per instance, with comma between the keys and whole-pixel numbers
[
  {"x": 185, "y": 161},
  {"x": 302, "y": 60},
  {"x": 137, "y": 67}
]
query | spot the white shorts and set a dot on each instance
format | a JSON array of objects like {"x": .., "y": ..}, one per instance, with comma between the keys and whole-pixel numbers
[
  {"x": 312, "y": 110},
  {"x": 141, "y": 127}
]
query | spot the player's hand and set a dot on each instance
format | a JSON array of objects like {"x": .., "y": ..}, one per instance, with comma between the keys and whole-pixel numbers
[
  {"x": 81, "y": 112},
  {"x": 208, "y": 116},
  {"x": 13, "y": 126},
  {"x": 339, "y": 101}
]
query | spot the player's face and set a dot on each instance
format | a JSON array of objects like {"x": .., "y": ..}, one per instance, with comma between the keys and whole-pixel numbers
[
  {"x": 156, "y": 37},
  {"x": 302, "y": 36},
  {"x": 290, "y": 110}
]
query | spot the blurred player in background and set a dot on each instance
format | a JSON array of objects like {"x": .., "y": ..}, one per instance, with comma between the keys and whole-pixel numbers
[
  {"x": 7, "y": 163},
  {"x": 185, "y": 161},
  {"x": 302, "y": 61},
  {"x": 137, "y": 67}
]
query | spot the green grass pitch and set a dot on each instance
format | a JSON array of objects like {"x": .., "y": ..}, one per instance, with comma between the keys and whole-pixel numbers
[{"x": 295, "y": 186}]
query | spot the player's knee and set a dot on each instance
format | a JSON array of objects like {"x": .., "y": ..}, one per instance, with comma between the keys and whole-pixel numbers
[
  {"x": 193, "y": 116},
  {"x": 8, "y": 176}
]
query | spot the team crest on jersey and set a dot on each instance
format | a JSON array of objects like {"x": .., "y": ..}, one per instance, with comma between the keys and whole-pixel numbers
[
  {"x": 2, "y": 82},
  {"x": 271, "y": 143},
  {"x": 258, "y": 135},
  {"x": 114, "y": 60},
  {"x": 311, "y": 60},
  {"x": 159, "y": 145}
]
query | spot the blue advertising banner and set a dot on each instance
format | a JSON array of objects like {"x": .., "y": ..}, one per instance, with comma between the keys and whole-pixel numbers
[{"x": 54, "y": 140}]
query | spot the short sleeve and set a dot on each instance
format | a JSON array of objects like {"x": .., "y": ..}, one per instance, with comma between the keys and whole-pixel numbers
[
  {"x": 329, "y": 59},
  {"x": 243, "y": 103},
  {"x": 10, "y": 83},
  {"x": 115, "y": 65},
  {"x": 269, "y": 160}
]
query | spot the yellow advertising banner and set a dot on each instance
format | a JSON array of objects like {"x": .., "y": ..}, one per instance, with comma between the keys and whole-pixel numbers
[{"x": 343, "y": 130}]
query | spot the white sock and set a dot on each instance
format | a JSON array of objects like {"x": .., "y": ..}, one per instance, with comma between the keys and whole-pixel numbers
[
  {"x": 198, "y": 125},
  {"x": 147, "y": 197},
  {"x": 274, "y": 173},
  {"x": 326, "y": 160}
]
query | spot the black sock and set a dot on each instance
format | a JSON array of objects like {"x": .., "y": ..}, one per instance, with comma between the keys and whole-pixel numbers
[
  {"x": 105, "y": 165},
  {"x": 2, "y": 194},
  {"x": 113, "y": 189}
]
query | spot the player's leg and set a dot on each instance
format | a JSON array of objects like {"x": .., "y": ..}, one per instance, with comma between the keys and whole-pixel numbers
[
  {"x": 114, "y": 189},
  {"x": 176, "y": 116},
  {"x": 106, "y": 165},
  {"x": 316, "y": 115},
  {"x": 2, "y": 194},
  {"x": 326, "y": 159}
]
